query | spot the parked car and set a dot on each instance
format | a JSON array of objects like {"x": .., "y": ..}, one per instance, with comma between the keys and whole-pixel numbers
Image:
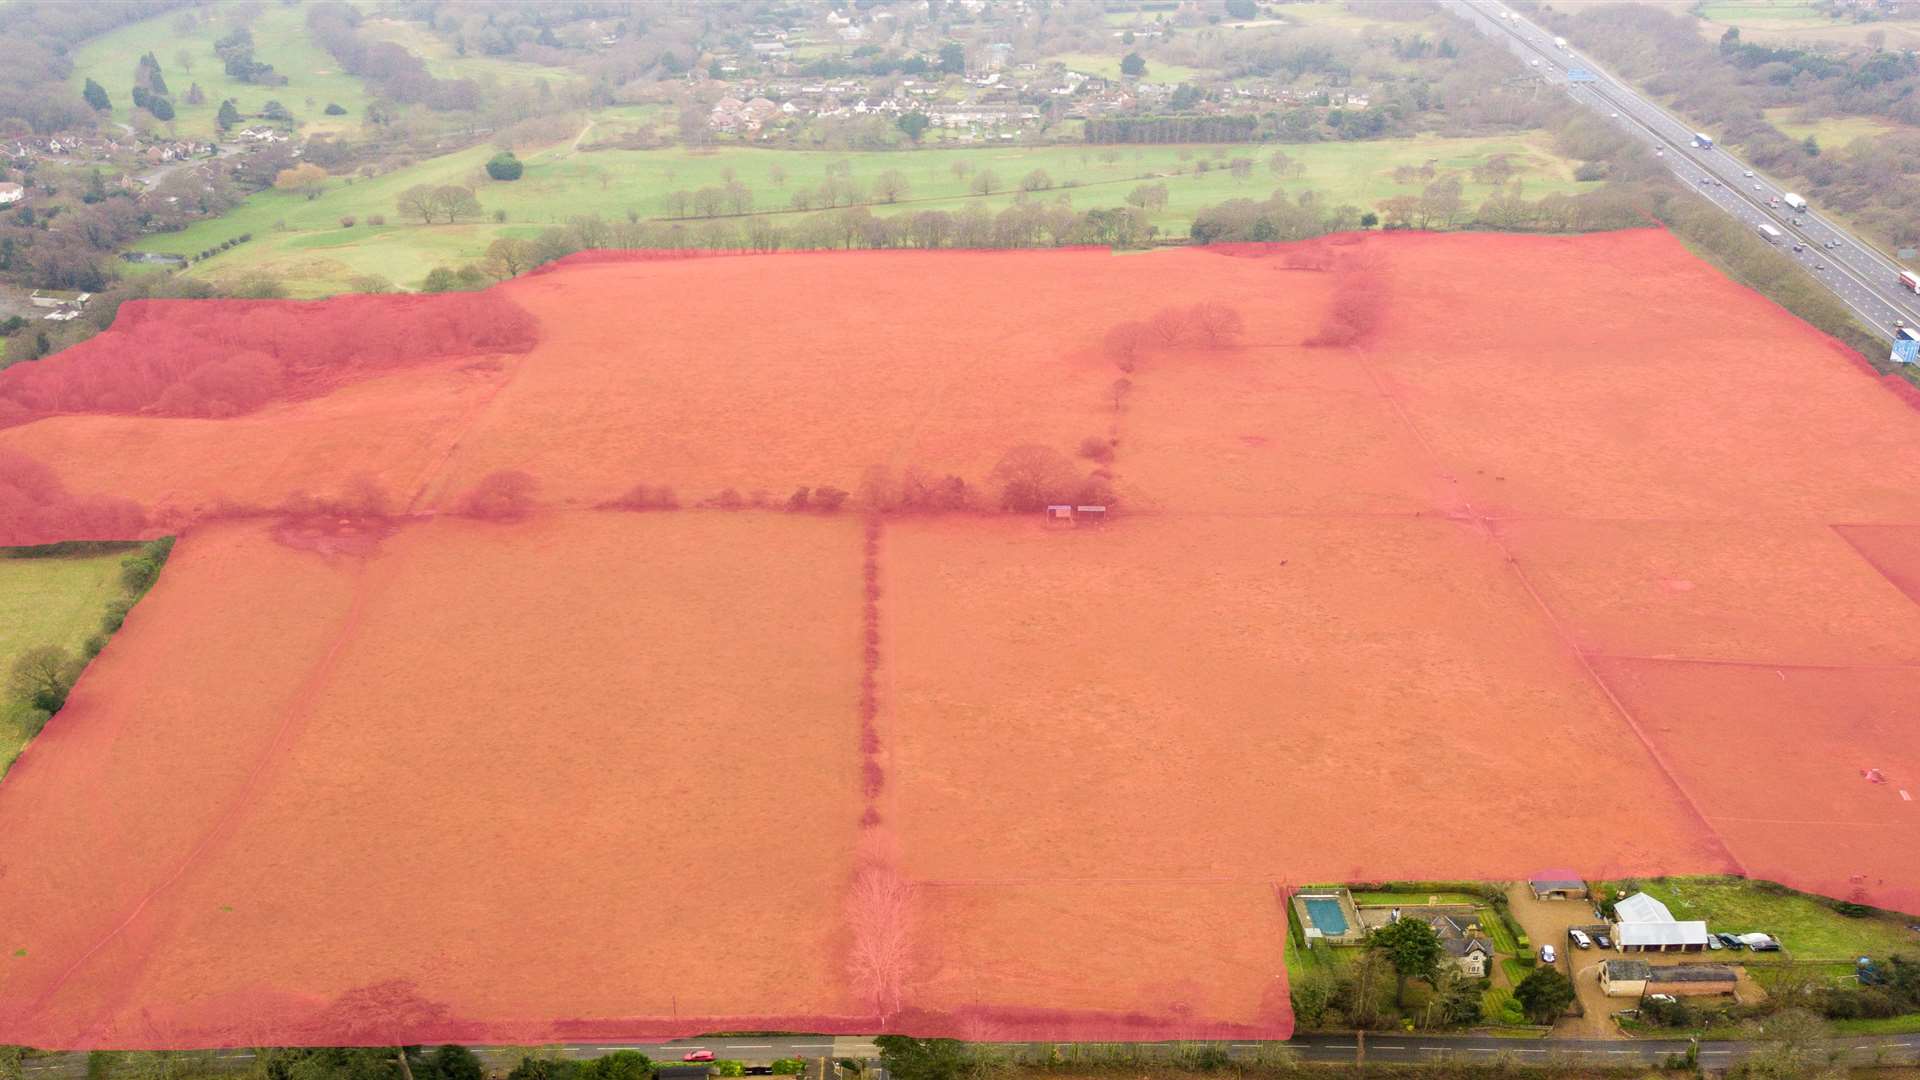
[
  {"x": 1547, "y": 955},
  {"x": 1668, "y": 998},
  {"x": 1715, "y": 943},
  {"x": 1729, "y": 941},
  {"x": 1580, "y": 938},
  {"x": 698, "y": 1055},
  {"x": 1603, "y": 941}
]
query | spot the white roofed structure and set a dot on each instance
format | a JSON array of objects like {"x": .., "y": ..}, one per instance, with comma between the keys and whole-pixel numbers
[{"x": 1643, "y": 924}]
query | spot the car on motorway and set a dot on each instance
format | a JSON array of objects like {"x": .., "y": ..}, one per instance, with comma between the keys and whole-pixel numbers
[
  {"x": 1756, "y": 187},
  {"x": 1547, "y": 955},
  {"x": 1580, "y": 939},
  {"x": 1748, "y": 173},
  {"x": 1819, "y": 266},
  {"x": 697, "y": 1055},
  {"x": 1799, "y": 247},
  {"x": 1799, "y": 222},
  {"x": 1615, "y": 115}
]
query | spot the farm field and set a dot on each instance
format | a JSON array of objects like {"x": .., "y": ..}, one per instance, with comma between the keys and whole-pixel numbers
[
  {"x": 280, "y": 38},
  {"x": 1372, "y": 560},
  {"x": 316, "y": 256},
  {"x": 47, "y": 601}
]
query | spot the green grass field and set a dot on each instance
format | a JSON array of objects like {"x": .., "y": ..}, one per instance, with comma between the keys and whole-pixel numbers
[
  {"x": 316, "y": 256},
  {"x": 52, "y": 601},
  {"x": 1832, "y": 132},
  {"x": 1108, "y": 67},
  {"x": 279, "y": 37},
  {"x": 1807, "y": 926},
  {"x": 1761, "y": 14},
  {"x": 1404, "y": 899},
  {"x": 444, "y": 63}
]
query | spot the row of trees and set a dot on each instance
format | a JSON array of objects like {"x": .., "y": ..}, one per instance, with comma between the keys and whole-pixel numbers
[{"x": 42, "y": 676}]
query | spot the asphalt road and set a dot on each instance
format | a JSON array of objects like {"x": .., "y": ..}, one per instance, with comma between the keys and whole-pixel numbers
[
  {"x": 1323, "y": 1049},
  {"x": 1862, "y": 277}
]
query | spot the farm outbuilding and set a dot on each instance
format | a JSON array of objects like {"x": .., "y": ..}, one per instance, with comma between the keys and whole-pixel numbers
[
  {"x": 1643, "y": 924},
  {"x": 1557, "y": 886}
]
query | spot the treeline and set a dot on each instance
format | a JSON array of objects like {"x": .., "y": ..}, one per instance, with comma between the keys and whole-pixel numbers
[
  {"x": 1029, "y": 224},
  {"x": 396, "y": 73},
  {"x": 43, "y": 676},
  {"x": 39, "y": 37},
  {"x": 1728, "y": 87}
]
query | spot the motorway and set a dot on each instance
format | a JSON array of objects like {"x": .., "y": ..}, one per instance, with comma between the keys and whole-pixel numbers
[
  {"x": 1318, "y": 1049},
  {"x": 1863, "y": 278}
]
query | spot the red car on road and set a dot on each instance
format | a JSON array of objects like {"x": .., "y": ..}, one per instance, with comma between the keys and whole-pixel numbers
[{"x": 698, "y": 1055}]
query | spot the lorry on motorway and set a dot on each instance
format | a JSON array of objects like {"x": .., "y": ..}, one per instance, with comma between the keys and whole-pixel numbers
[
  {"x": 1795, "y": 201},
  {"x": 1702, "y": 141},
  {"x": 1770, "y": 234},
  {"x": 1910, "y": 280}
]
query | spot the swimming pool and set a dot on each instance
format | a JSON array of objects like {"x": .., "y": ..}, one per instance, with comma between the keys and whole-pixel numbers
[{"x": 1326, "y": 915}]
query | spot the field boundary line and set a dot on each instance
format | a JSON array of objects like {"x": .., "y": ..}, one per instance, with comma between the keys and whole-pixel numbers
[
  {"x": 294, "y": 718},
  {"x": 1553, "y": 621}
]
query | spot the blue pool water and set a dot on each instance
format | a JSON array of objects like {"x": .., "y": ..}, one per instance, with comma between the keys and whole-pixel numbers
[{"x": 1326, "y": 915}]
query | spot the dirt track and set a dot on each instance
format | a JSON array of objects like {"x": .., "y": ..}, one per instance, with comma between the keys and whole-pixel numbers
[{"x": 604, "y": 773}]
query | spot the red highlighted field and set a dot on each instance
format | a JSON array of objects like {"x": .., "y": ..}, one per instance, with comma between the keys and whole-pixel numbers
[{"x": 1420, "y": 574}]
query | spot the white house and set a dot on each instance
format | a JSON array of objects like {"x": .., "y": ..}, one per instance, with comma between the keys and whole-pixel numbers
[
  {"x": 1643, "y": 924},
  {"x": 11, "y": 193}
]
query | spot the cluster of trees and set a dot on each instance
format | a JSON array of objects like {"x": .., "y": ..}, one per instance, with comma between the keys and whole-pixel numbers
[
  {"x": 1371, "y": 990},
  {"x": 235, "y": 50},
  {"x": 214, "y": 360},
  {"x": 397, "y": 74},
  {"x": 1209, "y": 324},
  {"x": 43, "y": 676},
  {"x": 444, "y": 202},
  {"x": 40, "y": 36}
]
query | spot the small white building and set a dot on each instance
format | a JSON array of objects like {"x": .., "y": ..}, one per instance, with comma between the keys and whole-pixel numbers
[
  {"x": 1643, "y": 924},
  {"x": 11, "y": 193}
]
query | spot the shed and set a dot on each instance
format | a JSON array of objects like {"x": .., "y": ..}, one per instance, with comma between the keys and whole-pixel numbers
[
  {"x": 1624, "y": 978},
  {"x": 1692, "y": 980},
  {"x": 1555, "y": 885}
]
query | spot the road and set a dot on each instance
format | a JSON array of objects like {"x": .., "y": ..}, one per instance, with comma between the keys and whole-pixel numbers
[
  {"x": 1319, "y": 1049},
  {"x": 1866, "y": 280}
]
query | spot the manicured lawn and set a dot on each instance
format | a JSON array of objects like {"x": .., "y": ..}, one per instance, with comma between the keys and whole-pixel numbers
[
  {"x": 1807, "y": 926},
  {"x": 279, "y": 37},
  {"x": 53, "y": 601},
  {"x": 1403, "y": 899},
  {"x": 316, "y": 256},
  {"x": 1108, "y": 67}
]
